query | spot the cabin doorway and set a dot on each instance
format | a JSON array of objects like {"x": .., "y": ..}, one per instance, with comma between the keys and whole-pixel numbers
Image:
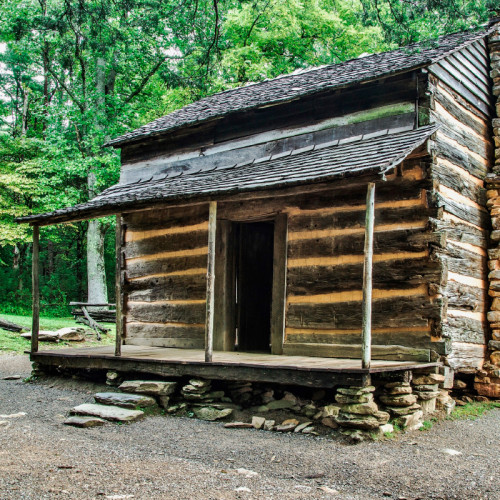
[{"x": 254, "y": 283}]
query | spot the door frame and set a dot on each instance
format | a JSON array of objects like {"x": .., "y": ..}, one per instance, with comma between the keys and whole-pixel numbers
[{"x": 225, "y": 289}]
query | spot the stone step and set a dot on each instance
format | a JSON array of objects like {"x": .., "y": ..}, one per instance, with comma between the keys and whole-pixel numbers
[
  {"x": 78, "y": 421},
  {"x": 112, "y": 413},
  {"x": 151, "y": 387},
  {"x": 131, "y": 401}
]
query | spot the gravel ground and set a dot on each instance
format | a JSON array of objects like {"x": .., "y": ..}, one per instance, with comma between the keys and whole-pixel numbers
[{"x": 180, "y": 458}]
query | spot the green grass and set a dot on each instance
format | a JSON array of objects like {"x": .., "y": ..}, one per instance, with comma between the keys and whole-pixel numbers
[
  {"x": 427, "y": 424},
  {"x": 13, "y": 343},
  {"x": 472, "y": 411}
]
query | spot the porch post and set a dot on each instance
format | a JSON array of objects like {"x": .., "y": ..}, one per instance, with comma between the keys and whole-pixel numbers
[
  {"x": 118, "y": 287},
  {"x": 35, "y": 325},
  {"x": 367, "y": 278},
  {"x": 209, "y": 318}
]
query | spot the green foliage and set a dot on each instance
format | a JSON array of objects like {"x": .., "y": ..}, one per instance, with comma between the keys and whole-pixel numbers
[
  {"x": 428, "y": 424},
  {"x": 407, "y": 22},
  {"x": 266, "y": 38},
  {"x": 75, "y": 73},
  {"x": 13, "y": 343},
  {"x": 472, "y": 411}
]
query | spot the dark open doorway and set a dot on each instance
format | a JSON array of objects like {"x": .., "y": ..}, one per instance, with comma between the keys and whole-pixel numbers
[{"x": 254, "y": 281}]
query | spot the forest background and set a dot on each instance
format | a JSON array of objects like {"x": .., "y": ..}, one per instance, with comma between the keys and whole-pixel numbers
[{"x": 75, "y": 73}]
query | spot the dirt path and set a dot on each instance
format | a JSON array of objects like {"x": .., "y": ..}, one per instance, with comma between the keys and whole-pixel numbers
[{"x": 180, "y": 458}]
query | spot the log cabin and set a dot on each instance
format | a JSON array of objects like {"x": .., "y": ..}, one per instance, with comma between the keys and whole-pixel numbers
[{"x": 317, "y": 228}]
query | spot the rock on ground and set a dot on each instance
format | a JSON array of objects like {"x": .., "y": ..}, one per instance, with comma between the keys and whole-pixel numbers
[
  {"x": 112, "y": 413},
  {"x": 151, "y": 387},
  {"x": 124, "y": 400},
  {"x": 168, "y": 458},
  {"x": 78, "y": 421}
]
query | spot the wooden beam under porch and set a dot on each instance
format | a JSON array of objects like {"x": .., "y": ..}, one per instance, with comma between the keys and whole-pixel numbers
[{"x": 225, "y": 365}]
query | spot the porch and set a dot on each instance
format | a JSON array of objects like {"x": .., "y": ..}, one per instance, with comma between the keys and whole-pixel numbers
[{"x": 225, "y": 365}]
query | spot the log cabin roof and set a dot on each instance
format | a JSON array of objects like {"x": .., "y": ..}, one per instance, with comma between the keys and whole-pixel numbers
[
  {"x": 296, "y": 85},
  {"x": 374, "y": 153}
]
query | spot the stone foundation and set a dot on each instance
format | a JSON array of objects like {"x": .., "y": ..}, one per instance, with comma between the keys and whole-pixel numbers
[{"x": 356, "y": 412}]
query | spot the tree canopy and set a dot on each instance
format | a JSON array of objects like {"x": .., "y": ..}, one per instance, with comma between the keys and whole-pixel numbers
[{"x": 74, "y": 73}]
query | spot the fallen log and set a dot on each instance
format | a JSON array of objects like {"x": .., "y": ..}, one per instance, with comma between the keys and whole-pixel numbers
[
  {"x": 100, "y": 316},
  {"x": 94, "y": 325},
  {"x": 11, "y": 327}
]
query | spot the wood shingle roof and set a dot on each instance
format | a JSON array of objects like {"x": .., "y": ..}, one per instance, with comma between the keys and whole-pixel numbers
[
  {"x": 289, "y": 87},
  {"x": 374, "y": 153}
]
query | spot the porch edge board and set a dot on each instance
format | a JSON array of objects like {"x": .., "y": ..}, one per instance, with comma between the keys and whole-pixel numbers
[{"x": 216, "y": 371}]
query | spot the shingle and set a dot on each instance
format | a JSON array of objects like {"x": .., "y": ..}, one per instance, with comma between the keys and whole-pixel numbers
[
  {"x": 286, "y": 88},
  {"x": 375, "y": 155}
]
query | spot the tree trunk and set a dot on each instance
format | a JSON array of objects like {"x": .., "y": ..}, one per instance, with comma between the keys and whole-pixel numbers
[
  {"x": 50, "y": 258},
  {"x": 80, "y": 245},
  {"x": 97, "y": 290},
  {"x": 24, "y": 122}
]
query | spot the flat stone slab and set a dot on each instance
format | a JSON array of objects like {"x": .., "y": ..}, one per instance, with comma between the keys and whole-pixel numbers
[
  {"x": 84, "y": 421},
  {"x": 152, "y": 387},
  {"x": 211, "y": 414},
  {"x": 112, "y": 413},
  {"x": 131, "y": 401},
  {"x": 238, "y": 425}
]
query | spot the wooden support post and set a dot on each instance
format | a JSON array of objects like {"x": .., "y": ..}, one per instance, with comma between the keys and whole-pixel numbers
[
  {"x": 35, "y": 325},
  {"x": 279, "y": 283},
  {"x": 118, "y": 288},
  {"x": 209, "y": 318},
  {"x": 366, "y": 345}
]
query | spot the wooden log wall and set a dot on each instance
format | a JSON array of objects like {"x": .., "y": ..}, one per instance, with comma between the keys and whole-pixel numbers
[
  {"x": 460, "y": 101},
  {"x": 165, "y": 258},
  {"x": 487, "y": 380},
  {"x": 383, "y": 104},
  {"x": 325, "y": 269}
]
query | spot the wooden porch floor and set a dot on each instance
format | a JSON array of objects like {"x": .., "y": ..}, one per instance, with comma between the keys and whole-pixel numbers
[{"x": 299, "y": 370}]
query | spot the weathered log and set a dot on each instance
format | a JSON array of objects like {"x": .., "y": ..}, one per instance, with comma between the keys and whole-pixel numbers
[
  {"x": 480, "y": 147},
  {"x": 11, "y": 327},
  {"x": 165, "y": 218},
  {"x": 166, "y": 243},
  {"x": 459, "y": 108},
  {"x": 464, "y": 329},
  {"x": 102, "y": 316},
  {"x": 391, "y": 274},
  {"x": 414, "y": 337},
  {"x": 445, "y": 150},
  {"x": 137, "y": 330},
  {"x": 138, "y": 268},
  {"x": 386, "y": 313},
  {"x": 463, "y": 261},
  {"x": 389, "y": 352},
  {"x": 345, "y": 195},
  {"x": 167, "y": 342},
  {"x": 449, "y": 76},
  {"x": 458, "y": 183},
  {"x": 463, "y": 233},
  {"x": 478, "y": 217},
  {"x": 466, "y": 297},
  {"x": 467, "y": 357},
  {"x": 152, "y": 312},
  {"x": 355, "y": 218},
  {"x": 177, "y": 287},
  {"x": 399, "y": 240}
]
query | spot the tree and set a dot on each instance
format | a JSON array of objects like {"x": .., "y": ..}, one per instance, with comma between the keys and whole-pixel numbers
[
  {"x": 74, "y": 73},
  {"x": 405, "y": 22},
  {"x": 85, "y": 69}
]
